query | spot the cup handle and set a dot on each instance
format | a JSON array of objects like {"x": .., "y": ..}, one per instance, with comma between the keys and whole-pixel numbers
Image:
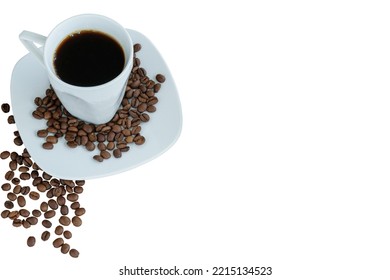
[{"x": 29, "y": 40}]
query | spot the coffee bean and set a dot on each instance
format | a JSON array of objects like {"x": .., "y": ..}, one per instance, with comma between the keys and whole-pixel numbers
[
  {"x": 34, "y": 173},
  {"x": 90, "y": 146},
  {"x": 24, "y": 213},
  {"x": 75, "y": 205},
  {"x": 98, "y": 158},
  {"x": 78, "y": 189},
  {"x": 42, "y": 133},
  {"x": 61, "y": 200},
  {"x": 64, "y": 220},
  {"x": 26, "y": 224},
  {"x": 9, "y": 204},
  {"x": 11, "y": 119},
  {"x": 46, "y": 223},
  {"x": 41, "y": 187},
  {"x": 31, "y": 241},
  {"x": 49, "y": 214},
  {"x": 53, "y": 204},
  {"x": 5, "y": 107},
  {"x": 117, "y": 153},
  {"x": 64, "y": 210},
  {"x": 57, "y": 192},
  {"x": 9, "y": 175},
  {"x": 55, "y": 182},
  {"x": 44, "y": 206},
  {"x": 51, "y": 139},
  {"x": 65, "y": 248},
  {"x": 46, "y": 176},
  {"x": 6, "y": 187},
  {"x": 76, "y": 221},
  {"x": 34, "y": 195},
  {"x": 17, "y": 223},
  {"x": 15, "y": 181},
  {"x": 4, "y": 155},
  {"x": 67, "y": 234},
  {"x": 137, "y": 47},
  {"x": 160, "y": 78},
  {"x": 32, "y": 220},
  {"x": 45, "y": 235},
  {"x": 5, "y": 214},
  {"x": 24, "y": 176},
  {"x": 72, "y": 144},
  {"x": 80, "y": 211},
  {"x": 58, "y": 242},
  {"x": 23, "y": 169},
  {"x": 25, "y": 190},
  {"x": 72, "y": 197},
  {"x": 59, "y": 230},
  {"x": 105, "y": 154},
  {"x": 21, "y": 201},
  {"x": 11, "y": 196},
  {"x": 74, "y": 253},
  {"x": 48, "y": 146},
  {"x": 36, "y": 213},
  {"x": 139, "y": 140},
  {"x": 17, "y": 189},
  {"x": 13, "y": 215},
  {"x": 18, "y": 141}
]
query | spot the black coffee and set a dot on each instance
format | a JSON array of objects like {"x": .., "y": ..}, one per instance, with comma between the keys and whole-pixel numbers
[{"x": 88, "y": 58}]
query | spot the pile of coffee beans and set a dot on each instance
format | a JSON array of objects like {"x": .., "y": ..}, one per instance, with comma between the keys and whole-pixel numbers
[
  {"x": 56, "y": 200},
  {"x": 109, "y": 139}
]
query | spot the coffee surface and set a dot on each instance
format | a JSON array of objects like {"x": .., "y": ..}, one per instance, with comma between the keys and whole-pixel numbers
[{"x": 88, "y": 58}]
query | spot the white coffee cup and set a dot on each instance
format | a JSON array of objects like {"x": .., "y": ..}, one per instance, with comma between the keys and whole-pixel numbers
[{"x": 95, "y": 104}]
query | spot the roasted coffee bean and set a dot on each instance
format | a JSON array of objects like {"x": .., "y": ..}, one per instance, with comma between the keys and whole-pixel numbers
[
  {"x": 4, "y": 155},
  {"x": 46, "y": 176},
  {"x": 18, "y": 141},
  {"x": 144, "y": 117},
  {"x": 80, "y": 183},
  {"x": 58, "y": 242},
  {"x": 5, "y": 107},
  {"x": 17, "y": 189},
  {"x": 61, "y": 200},
  {"x": 64, "y": 220},
  {"x": 36, "y": 213},
  {"x": 53, "y": 204},
  {"x": 51, "y": 139},
  {"x": 41, "y": 187},
  {"x": 48, "y": 146},
  {"x": 142, "y": 107},
  {"x": 44, "y": 206},
  {"x": 21, "y": 201},
  {"x": 76, "y": 221},
  {"x": 14, "y": 155},
  {"x": 27, "y": 162},
  {"x": 59, "y": 230},
  {"x": 42, "y": 133},
  {"x": 11, "y": 119},
  {"x": 9, "y": 204},
  {"x": 72, "y": 197},
  {"x": 31, "y": 241},
  {"x": 15, "y": 181},
  {"x": 32, "y": 220},
  {"x": 101, "y": 146},
  {"x": 78, "y": 189},
  {"x": 24, "y": 176},
  {"x": 139, "y": 140},
  {"x": 24, "y": 213},
  {"x": 57, "y": 192},
  {"x": 6, "y": 187},
  {"x": 13, "y": 215},
  {"x": 80, "y": 211},
  {"x": 110, "y": 146},
  {"x": 46, "y": 223},
  {"x": 23, "y": 169},
  {"x": 75, "y": 205},
  {"x": 137, "y": 47},
  {"x": 25, "y": 190},
  {"x": 34, "y": 195},
  {"x": 64, "y": 210},
  {"x": 67, "y": 234},
  {"x": 98, "y": 158},
  {"x": 17, "y": 223},
  {"x": 74, "y": 253},
  {"x": 65, "y": 248},
  {"x": 5, "y": 214},
  {"x": 55, "y": 182},
  {"x": 72, "y": 144},
  {"x": 49, "y": 214},
  {"x": 90, "y": 146},
  {"x": 105, "y": 154},
  {"x": 160, "y": 78},
  {"x": 11, "y": 196},
  {"x": 34, "y": 173},
  {"x": 9, "y": 175},
  {"x": 26, "y": 224},
  {"x": 45, "y": 235},
  {"x": 117, "y": 153}
]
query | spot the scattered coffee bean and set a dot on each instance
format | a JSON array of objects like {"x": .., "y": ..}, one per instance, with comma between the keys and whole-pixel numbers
[
  {"x": 46, "y": 223},
  {"x": 32, "y": 220},
  {"x": 64, "y": 220},
  {"x": 6, "y": 187},
  {"x": 5, "y": 107},
  {"x": 4, "y": 155},
  {"x": 11, "y": 196},
  {"x": 59, "y": 230},
  {"x": 64, "y": 210},
  {"x": 73, "y": 197},
  {"x": 76, "y": 221},
  {"x": 9, "y": 175},
  {"x": 48, "y": 146},
  {"x": 45, "y": 235},
  {"x": 21, "y": 201},
  {"x": 36, "y": 213},
  {"x": 31, "y": 241},
  {"x": 65, "y": 248},
  {"x": 53, "y": 204},
  {"x": 74, "y": 253},
  {"x": 58, "y": 242},
  {"x": 67, "y": 234},
  {"x": 5, "y": 214},
  {"x": 11, "y": 119},
  {"x": 44, "y": 206},
  {"x": 34, "y": 195},
  {"x": 137, "y": 47},
  {"x": 160, "y": 78},
  {"x": 80, "y": 211},
  {"x": 9, "y": 204}
]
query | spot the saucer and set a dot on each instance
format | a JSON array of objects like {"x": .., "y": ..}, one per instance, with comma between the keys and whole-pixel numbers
[{"x": 29, "y": 80}]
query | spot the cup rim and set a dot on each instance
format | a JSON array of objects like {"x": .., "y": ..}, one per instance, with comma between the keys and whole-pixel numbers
[{"x": 71, "y": 87}]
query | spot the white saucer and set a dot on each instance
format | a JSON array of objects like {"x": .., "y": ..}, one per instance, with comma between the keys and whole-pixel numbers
[{"x": 29, "y": 80}]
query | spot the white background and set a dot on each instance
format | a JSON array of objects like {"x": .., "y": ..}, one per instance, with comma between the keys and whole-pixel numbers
[{"x": 284, "y": 155}]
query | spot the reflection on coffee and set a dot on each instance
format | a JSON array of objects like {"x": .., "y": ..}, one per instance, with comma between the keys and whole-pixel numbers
[{"x": 88, "y": 58}]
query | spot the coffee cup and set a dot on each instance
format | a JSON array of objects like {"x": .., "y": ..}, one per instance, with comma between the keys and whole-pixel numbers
[{"x": 89, "y": 88}]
